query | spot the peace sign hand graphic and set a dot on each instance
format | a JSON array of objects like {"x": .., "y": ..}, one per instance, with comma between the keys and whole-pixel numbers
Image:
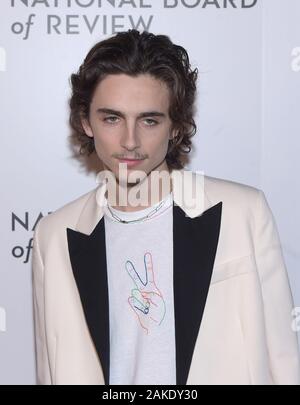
[{"x": 146, "y": 300}]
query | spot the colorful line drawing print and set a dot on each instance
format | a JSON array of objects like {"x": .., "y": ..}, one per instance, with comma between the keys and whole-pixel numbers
[{"x": 146, "y": 299}]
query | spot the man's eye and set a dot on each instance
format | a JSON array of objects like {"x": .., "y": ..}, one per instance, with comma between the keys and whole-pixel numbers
[
  {"x": 110, "y": 119},
  {"x": 151, "y": 122}
]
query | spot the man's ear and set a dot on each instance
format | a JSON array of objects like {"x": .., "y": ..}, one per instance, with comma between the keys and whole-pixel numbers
[{"x": 87, "y": 128}]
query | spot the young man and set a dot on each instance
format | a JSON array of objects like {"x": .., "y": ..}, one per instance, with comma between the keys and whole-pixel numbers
[{"x": 167, "y": 287}]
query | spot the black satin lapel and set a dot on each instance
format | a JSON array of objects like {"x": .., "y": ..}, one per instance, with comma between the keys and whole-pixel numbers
[
  {"x": 88, "y": 260},
  {"x": 195, "y": 244}
]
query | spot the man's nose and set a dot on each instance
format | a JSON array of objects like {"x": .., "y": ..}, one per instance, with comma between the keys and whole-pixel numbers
[{"x": 130, "y": 137}]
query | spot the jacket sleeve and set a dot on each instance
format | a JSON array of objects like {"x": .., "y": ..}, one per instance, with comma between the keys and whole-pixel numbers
[
  {"x": 277, "y": 297},
  {"x": 42, "y": 359}
]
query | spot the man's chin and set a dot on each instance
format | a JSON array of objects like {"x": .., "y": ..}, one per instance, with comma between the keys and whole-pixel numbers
[
  {"x": 131, "y": 179},
  {"x": 128, "y": 174}
]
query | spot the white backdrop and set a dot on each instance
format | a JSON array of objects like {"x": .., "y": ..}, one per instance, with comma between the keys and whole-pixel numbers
[{"x": 248, "y": 55}]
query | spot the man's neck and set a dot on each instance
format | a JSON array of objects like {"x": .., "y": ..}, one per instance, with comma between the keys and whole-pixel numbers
[{"x": 144, "y": 194}]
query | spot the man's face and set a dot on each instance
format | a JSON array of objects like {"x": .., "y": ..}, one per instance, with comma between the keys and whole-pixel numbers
[{"x": 129, "y": 119}]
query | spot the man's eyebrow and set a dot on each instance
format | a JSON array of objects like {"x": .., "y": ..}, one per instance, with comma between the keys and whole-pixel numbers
[{"x": 141, "y": 115}]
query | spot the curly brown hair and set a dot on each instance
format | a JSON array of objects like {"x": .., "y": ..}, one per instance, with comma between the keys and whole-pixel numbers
[{"x": 134, "y": 53}]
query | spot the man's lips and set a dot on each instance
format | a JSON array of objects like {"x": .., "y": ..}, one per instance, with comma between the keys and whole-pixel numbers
[
  {"x": 130, "y": 162},
  {"x": 130, "y": 159}
]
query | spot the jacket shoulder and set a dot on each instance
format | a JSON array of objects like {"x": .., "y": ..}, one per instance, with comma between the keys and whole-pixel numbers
[
  {"x": 231, "y": 192},
  {"x": 65, "y": 216}
]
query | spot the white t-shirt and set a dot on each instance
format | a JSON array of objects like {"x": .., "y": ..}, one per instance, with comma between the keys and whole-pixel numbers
[{"x": 141, "y": 303}]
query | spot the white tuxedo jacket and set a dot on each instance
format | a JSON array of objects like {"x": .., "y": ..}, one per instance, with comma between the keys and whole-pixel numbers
[{"x": 232, "y": 296}]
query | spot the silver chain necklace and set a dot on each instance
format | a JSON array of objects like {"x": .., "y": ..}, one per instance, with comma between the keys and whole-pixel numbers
[{"x": 123, "y": 221}]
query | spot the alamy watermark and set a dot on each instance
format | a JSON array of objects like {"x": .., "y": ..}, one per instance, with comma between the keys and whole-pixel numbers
[
  {"x": 2, "y": 320},
  {"x": 136, "y": 188},
  {"x": 296, "y": 321},
  {"x": 295, "y": 63},
  {"x": 2, "y": 60}
]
